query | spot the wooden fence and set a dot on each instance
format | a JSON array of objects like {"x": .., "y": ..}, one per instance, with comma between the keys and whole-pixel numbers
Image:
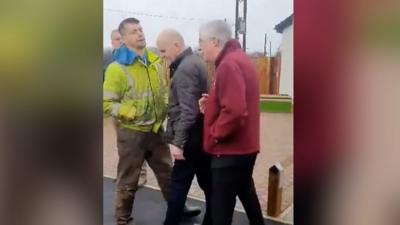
[{"x": 268, "y": 70}]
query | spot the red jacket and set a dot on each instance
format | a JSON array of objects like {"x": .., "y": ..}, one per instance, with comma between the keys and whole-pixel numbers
[{"x": 232, "y": 116}]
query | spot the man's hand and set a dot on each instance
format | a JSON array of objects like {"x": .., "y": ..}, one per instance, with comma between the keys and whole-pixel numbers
[
  {"x": 176, "y": 152},
  {"x": 203, "y": 102},
  {"x": 127, "y": 112}
]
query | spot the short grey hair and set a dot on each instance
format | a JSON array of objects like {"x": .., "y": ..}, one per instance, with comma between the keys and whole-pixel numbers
[{"x": 217, "y": 29}]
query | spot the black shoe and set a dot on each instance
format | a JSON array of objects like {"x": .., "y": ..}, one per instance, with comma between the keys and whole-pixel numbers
[{"x": 191, "y": 211}]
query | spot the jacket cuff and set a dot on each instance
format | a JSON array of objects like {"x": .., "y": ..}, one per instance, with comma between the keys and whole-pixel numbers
[{"x": 115, "y": 110}]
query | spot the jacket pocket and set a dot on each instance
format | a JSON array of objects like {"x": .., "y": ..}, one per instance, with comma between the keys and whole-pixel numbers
[{"x": 209, "y": 142}]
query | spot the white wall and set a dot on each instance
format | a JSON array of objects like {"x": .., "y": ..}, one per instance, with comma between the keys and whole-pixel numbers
[{"x": 286, "y": 80}]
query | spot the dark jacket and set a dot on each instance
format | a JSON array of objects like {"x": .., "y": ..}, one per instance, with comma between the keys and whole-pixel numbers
[
  {"x": 232, "y": 117},
  {"x": 108, "y": 58},
  {"x": 188, "y": 82}
]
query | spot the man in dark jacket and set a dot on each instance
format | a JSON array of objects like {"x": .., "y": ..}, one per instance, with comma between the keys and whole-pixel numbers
[
  {"x": 185, "y": 123},
  {"x": 231, "y": 124}
]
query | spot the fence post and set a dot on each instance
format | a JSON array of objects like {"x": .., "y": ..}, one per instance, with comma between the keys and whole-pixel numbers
[{"x": 275, "y": 190}]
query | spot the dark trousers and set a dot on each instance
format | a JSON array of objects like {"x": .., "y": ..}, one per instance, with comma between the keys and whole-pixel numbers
[
  {"x": 135, "y": 147},
  {"x": 196, "y": 163},
  {"x": 229, "y": 182}
]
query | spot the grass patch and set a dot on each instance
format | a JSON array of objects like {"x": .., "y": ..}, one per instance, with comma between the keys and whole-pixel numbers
[{"x": 276, "y": 106}]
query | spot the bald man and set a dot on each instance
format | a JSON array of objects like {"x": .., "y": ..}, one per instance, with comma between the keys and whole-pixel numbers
[
  {"x": 185, "y": 123},
  {"x": 109, "y": 52}
]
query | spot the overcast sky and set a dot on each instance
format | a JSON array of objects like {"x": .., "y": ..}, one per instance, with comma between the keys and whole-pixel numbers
[{"x": 262, "y": 16}]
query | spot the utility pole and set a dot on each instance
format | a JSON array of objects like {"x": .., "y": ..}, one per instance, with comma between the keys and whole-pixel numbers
[
  {"x": 240, "y": 22},
  {"x": 270, "y": 49},
  {"x": 245, "y": 24},
  {"x": 265, "y": 44},
  {"x": 237, "y": 21}
]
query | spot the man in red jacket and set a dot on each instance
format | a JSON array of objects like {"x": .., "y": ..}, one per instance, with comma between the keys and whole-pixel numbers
[{"x": 231, "y": 124}]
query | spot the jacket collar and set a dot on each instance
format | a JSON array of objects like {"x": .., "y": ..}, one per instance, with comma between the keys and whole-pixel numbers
[
  {"x": 125, "y": 56},
  {"x": 180, "y": 57},
  {"x": 230, "y": 46}
]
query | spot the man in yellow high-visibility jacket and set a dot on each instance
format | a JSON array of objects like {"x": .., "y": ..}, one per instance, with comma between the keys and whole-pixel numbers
[
  {"x": 108, "y": 58},
  {"x": 135, "y": 94}
]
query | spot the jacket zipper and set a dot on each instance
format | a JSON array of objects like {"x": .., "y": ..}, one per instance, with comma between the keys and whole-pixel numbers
[{"x": 152, "y": 93}]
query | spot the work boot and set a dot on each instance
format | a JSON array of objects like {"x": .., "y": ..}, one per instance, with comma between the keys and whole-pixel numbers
[{"x": 191, "y": 211}]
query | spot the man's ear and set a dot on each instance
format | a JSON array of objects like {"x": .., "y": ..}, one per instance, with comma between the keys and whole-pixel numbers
[
  {"x": 215, "y": 42},
  {"x": 177, "y": 45},
  {"x": 123, "y": 39}
]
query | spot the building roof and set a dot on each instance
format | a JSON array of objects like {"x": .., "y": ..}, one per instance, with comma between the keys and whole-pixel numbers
[{"x": 284, "y": 24}]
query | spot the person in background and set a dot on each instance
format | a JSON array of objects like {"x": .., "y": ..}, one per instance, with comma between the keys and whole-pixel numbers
[{"x": 116, "y": 42}]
